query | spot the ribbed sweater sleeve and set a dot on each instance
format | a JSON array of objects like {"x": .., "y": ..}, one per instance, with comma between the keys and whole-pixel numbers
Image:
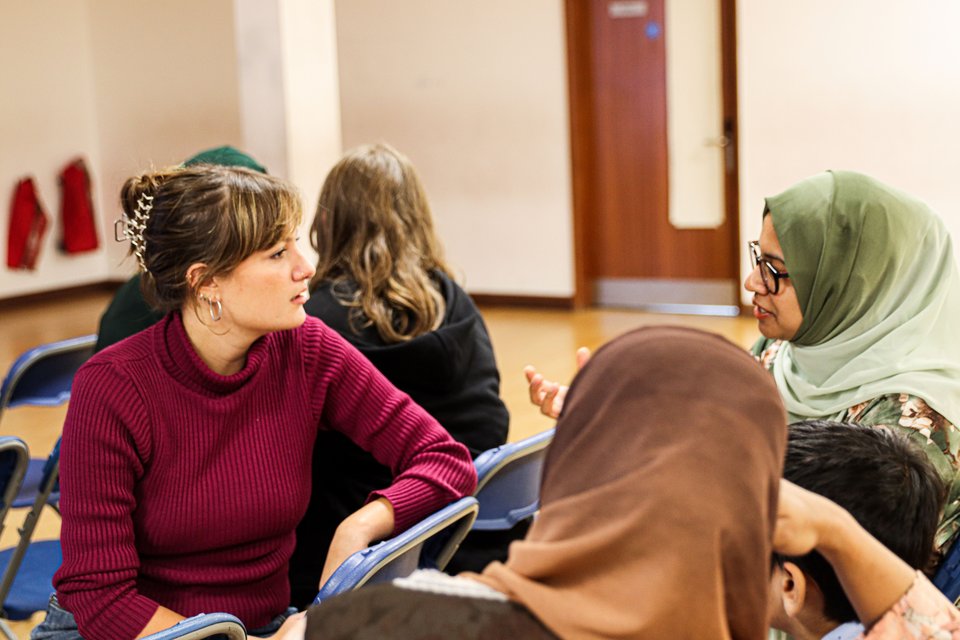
[
  {"x": 350, "y": 395},
  {"x": 105, "y": 441}
]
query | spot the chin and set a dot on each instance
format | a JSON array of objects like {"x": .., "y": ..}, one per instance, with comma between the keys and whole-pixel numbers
[
  {"x": 289, "y": 323},
  {"x": 768, "y": 331},
  {"x": 775, "y": 331},
  {"x": 299, "y": 319}
]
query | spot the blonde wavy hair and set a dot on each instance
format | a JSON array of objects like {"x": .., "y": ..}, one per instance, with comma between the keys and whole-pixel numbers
[{"x": 374, "y": 234}]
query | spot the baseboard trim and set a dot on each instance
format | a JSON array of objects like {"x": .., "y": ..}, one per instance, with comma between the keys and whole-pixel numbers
[
  {"x": 485, "y": 299},
  {"x": 536, "y": 302},
  {"x": 78, "y": 290}
]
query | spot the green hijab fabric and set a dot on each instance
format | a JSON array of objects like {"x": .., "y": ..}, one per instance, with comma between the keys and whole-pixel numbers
[{"x": 878, "y": 286}]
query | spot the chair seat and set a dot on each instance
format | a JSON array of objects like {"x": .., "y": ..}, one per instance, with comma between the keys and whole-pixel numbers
[
  {"x": 31, "y": 486},
  {"x": 34, "y": 581}
]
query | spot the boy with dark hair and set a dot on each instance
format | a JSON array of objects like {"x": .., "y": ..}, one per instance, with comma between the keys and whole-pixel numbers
[{"x": 885, "y": 482}]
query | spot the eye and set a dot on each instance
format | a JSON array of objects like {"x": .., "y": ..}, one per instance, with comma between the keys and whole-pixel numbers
[{"x": 276, "y": 255}]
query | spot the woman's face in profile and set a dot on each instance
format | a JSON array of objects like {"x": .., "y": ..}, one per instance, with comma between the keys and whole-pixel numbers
[
  {"x": 778, "y": 314},
  {"x": 266, "y": 291}
]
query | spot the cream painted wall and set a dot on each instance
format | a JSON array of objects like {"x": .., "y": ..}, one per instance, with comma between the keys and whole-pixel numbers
[
  {"x": 138, "y": 85},
  {"x": 312, "y": 104},
  {"x": 866, "y": 85},
  {"x": 261, "y": 82},
  {"x": 289, "y": 92},
  {"x": 166, "y": 86},
  {"x": 47, "y": 117},
  {"x": 475, "y": 94}
]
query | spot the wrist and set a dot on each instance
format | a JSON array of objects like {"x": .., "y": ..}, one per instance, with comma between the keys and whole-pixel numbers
[
  {"x": 373, "y": 521},
  {"x": 835, "y": 527}
]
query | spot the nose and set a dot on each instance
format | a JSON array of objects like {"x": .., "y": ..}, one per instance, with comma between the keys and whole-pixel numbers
[
  {"x": 303, "y": 269},
  {"x": 754, "y": 283}
]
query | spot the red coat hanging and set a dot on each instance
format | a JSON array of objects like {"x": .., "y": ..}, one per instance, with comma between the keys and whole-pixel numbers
[
  {"x": 28, "y": 222},
  {"x": 76, "y": 209}
]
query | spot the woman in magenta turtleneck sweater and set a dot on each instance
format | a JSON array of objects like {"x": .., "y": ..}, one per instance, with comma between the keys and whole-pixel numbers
[{"x": 186, "y": 450}]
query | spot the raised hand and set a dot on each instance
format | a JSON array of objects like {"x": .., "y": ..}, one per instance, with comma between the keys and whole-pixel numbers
[{"x": 549, "y": 395}]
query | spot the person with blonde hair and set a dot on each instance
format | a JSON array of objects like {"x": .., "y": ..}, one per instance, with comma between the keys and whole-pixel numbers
[
  {"x": 186, "y": 451},
  {"x": 382, "y": 283}
]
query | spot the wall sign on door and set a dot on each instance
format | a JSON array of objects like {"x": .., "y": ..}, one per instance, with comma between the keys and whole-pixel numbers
[{"x": 628, "y": 9}]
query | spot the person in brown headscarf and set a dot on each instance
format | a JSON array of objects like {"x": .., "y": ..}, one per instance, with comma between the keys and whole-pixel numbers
[
  {"x": 650, "y": 530},
  {"x": 644, "y": 530}
]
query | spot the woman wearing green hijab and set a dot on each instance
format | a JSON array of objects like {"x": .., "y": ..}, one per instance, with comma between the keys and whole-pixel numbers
[{"x": 855, "y": 288}]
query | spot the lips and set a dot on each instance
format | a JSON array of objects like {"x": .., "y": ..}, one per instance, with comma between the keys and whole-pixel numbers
[
  {"x": 760, "y": 312},
  {"x": 301, "y": 297}
]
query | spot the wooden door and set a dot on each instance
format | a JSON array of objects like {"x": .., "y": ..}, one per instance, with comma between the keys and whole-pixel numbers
[{"x": 627, "y": 251}]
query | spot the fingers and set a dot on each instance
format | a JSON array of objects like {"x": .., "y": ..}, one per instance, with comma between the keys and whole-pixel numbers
[
  {"x": 544, "y": 393},
  {"x": 550, "y": 390},
  {"x": 535, "y": 390},
  {"x": 293, "y": 628},
  {"x": 583, "y": 356},
  {"x": 529, "y": 371}
]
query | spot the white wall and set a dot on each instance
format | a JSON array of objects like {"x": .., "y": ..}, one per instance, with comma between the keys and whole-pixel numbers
[
  {"x": 289, "y": 92},
  {"x": 866, "y": 85},
  {"x": 475, "y": 94},
  {"x": 128, "y": 85},
  {"x": 47, "y": 117},
  {"x": 261, "y": 82},
  {"x": 312, "y": 99},
  {"x": 166, "y": 86}
]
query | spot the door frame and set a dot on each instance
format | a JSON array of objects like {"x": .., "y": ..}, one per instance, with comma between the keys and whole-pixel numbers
[{"x": 580, "y": 90}]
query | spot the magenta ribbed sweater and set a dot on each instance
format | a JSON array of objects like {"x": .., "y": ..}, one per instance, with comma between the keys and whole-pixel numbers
[{"x": 182, "y": 487}]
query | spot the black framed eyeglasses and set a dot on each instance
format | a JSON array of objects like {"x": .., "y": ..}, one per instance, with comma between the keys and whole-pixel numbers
[{"x": 770, "y": 275}]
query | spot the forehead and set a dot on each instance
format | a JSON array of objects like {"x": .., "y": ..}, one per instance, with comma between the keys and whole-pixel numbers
[{"x": 769, "y": 242}]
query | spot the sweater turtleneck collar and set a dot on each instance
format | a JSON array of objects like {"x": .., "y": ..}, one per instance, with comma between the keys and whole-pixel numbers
[{"x": 183, "y": 363}]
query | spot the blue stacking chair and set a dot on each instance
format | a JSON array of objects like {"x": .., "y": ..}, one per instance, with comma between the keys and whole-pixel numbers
[
  {"x": 205, "y": 625},
  {"x": 428, "y": 544},
  {"x": 42, "y": 377},
  {"x": 508, "y": 482},
  {"x": 26, "y": 581},
  {"x": 14, "y": 457},
  {"x": 947, "y": 578}
]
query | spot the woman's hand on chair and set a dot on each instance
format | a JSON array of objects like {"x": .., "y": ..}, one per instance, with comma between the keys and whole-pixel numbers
[
  {"x": 293, "y": 628},
  {"x": 370, "y": 523}
]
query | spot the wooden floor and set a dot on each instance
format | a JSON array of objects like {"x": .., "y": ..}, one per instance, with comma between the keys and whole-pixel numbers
[{"x": 544, "y": 338}]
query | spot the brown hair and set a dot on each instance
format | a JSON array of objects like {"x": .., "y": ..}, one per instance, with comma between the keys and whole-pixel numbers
[
  {"x": 209, "y": 214},
  {"x": 374, "y": 233}
]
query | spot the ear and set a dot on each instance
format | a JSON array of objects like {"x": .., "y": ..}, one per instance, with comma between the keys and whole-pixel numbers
[
  {"x": 793, "y": 589},
  {"x": 196, "y": 274}
]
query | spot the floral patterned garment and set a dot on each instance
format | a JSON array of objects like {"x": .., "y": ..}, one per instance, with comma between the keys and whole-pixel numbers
[
  {"x": 912, "y": 416},
  {"x": 922, "y": 613}
]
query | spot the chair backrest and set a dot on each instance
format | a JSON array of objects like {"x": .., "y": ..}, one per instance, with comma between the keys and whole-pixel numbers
[
  {"x": 428, "y": 544},
  {"x": 14, "y": 457},
  {"x": 50, "y": 480},
  {"x": 205, "y": 625},
  {"x": 43, "y": 375},
  {"x": 508, "y": 482},
  {"x": 947, "y": 578}
]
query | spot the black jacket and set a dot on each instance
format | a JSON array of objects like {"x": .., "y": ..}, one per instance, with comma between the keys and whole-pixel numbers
[{"x": 450, "y": 372}]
